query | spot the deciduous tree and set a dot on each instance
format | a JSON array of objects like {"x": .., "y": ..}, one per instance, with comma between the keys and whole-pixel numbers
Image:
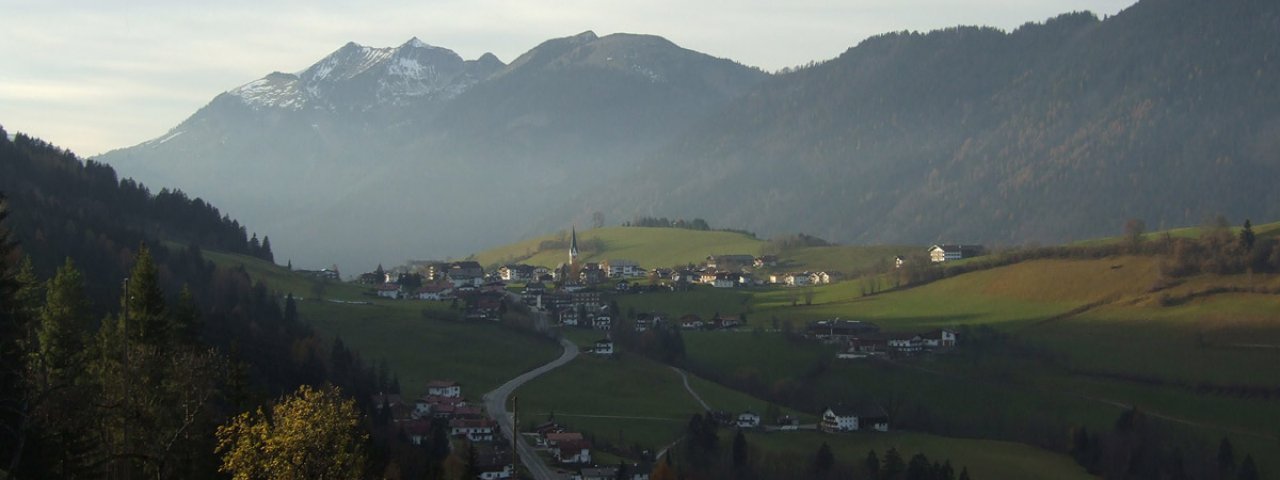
[{"x": 310, "y": 434}]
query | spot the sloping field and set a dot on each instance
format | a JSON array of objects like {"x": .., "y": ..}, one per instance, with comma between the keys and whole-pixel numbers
[{"x": 650, "y": 247}]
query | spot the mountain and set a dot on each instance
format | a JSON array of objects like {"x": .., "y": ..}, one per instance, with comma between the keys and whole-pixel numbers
[
  {"x": 1168, "y": 112},
  {"x": 407, "y": 152}
]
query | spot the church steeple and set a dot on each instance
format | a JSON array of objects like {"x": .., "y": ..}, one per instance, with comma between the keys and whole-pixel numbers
[{"x": 573, "y": 246}]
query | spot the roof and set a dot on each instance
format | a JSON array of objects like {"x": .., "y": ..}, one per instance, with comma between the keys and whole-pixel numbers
[
  {"x": 564, "y": 437},
  {"x": 955, "y": 248},
  {"x": 442, "y": 384}
]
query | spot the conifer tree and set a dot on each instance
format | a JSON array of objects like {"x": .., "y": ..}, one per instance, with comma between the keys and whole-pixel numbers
[
  {"x": 739, "y": 450},
  {"x": 266, "y": 250},
  {"x": 144, "y": 305},
  {"x": 1248, "y": 470},
  {"x": 872, "y": 464},
  {"x": 12, "y": 355},
  {"x": 1247, "y": 238},
  {"x": 187, "y": 322},
  {"x": 64, "y": 323},
  {"x": 893, "y": 464}
]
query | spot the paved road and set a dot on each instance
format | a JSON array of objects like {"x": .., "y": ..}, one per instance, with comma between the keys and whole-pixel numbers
[{"x": 495, "y": 403}]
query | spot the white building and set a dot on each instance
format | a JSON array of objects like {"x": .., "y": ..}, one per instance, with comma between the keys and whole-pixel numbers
[{"x": 444, "y": 388}]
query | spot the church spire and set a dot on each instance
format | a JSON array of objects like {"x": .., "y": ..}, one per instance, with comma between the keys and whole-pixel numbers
[{"x": 573, "y": 246}]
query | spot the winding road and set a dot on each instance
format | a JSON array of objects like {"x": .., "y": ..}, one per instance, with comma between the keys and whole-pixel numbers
[{"x": 495, "y": 403}]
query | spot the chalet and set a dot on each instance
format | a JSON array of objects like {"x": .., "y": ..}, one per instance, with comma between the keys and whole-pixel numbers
[
  {"x": 389, "y": 290},
  {"x": 947, "y": 253},
  {"x": 937, "y": 339},
  {"x": 797, "y": 279},
  {"x": 590, "y": 299},
  {"x": 603, "y": 347},
  {"x": 765, "y": 261},
  {"x": 838, "y": 330},
  {"x": 571, "y": 317},
  {"x": 515, "y": 273},
  {"x": 819, "y": 278},
  {"x": 322, "y": 274},
  {"x": 602, "y": 322},
  {"x": 592, "y": 276},
  {"x": 464, "y": 279},
  {"x": 418, "y": 431},
  {"x": 707, "y": 278},
  {"x": 686, "y": 276},
  {"x": 725, "y": 280},
  {"x": 621, "y": 268},
  {"x": 748, "y": 419},
  {"x": 436, "y": 291},
  {"x": 723, "y": 262},
  {"x": 866, "y": 417},
  {"x": 906, "y": 344},
  {"x": 573, "y": 451},
  {"x": 691, "y": 322},
  {"x": 444, "y": 388},
  {"x": 475, "y": 430}
]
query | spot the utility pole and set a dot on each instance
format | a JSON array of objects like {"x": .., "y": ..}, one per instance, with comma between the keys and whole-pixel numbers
[
  {"x": 515, "y": 434},
  {"x": 127, "y": 474}
]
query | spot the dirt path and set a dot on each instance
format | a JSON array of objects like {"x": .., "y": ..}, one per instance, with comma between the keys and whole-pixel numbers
[{"x": 685, "y": 378}]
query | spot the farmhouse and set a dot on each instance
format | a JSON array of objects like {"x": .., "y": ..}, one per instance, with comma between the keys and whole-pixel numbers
[
  {"x": 748, "y": 419},
  {"x": 389, "y": 290},
  {"x": 765, "y": 261},
  {"x": 866, "y": 417},
  {"x": 729, "y": 261},
  {"x": 943, "y": 338},
  {"x": 475, "y": 430},
  {"x": 838, "y": 330},
  {"x": 906, "y": 344},
  {"x": 444, "y": 388},
  {"x": 725, "y": 280},
  {"x": 603, "y": 347},
  {"x": 572, "y": 451},
  {"x": 947, "y": 253}
]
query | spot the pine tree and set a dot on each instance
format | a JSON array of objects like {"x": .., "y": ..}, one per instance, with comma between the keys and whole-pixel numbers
[
  {"x": 1247, "y": 238},
  {"x": 964, "y": 473},
  {"x": 824, "y": 460},
  {"x": 1226, "y": 457},
  {"x": 918, "y": 467},
  {"x": 740, "y": 450},
  {"x": 290, "y": 310},
  {"x": 872, "y": 464},
  {"x": 144, "y": 305},
  {"x": 1248, "y": 470},
  {"x": 187, "y": 322},
  {"x": 893, "y": 464},
  {"x": 13, "y": 327},
  {"x": 63, "y": 327},
  {"x": 266, "y": 250}
]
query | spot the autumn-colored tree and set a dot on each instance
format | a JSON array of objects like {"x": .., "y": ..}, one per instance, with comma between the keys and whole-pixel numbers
[{"x": 310, "y": 434}]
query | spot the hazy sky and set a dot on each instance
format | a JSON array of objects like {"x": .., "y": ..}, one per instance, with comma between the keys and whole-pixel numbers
[{"x": 97, "y": 75}]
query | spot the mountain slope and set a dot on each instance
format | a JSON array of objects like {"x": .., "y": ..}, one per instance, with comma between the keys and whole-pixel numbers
[
  {"x": 1056, "y": 131},
  {"x": 349, "y": 148}
]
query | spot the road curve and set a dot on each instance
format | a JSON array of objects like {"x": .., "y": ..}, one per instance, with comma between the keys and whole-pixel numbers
[{"x": 495, "y": 403}]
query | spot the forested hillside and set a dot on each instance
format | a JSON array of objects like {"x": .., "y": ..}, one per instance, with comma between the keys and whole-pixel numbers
[
  {"x": 99, "y": 383},
  {"x": 1167, "y": 111}
]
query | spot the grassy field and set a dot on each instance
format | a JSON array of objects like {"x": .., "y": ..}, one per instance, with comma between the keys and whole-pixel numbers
[
  {"x": 650, "y": 247},
  {"x": 984, "y": 458},
  {"x": 481, "y": 356}
]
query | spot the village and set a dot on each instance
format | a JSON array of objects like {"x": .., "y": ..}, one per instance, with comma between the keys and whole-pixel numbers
[{"x": 578, "y": 295}]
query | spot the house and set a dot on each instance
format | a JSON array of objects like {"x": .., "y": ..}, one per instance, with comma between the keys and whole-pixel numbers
[
  {"x": 797, "y": 279},
  {"x": 707, "y": 278},
  {"x": 592, "y": 276},
  {"x": 474, "y": 429},
  {"x": 943, "y": 338},
  {"x": 389, "y": 290},
  {"x": 436, "y": 291},
  {"x": 899, "y": 261},
  {"x": 765, "y": 261},
  {"x": 725, "y": 280},
  {"x": 570, "y": 317},
  {"x": 838, "y": 330},
  {"x": 723, "y": 262},
  {"x": 444, "y": 388},
  {"x": 495, "y": 472},
  {"x": 572, "y": 451},
  {"x": 866, "y": 417},
  {"x": 555, "y": 438},
  {"x": 621, "y": 268},
  {"x": 642, "y": 323},
  {"x": 906, "y": 344},
  {"x": 691, "y": 322},
  {"x": 947, "y": 253},
  {"x": 603, "y": 347},
  {"x": 515, "y": 273},
  {"x": 589, "y": 299},
  {"x": 602, "y": 322},
  {"x": 418, "y": 430},
  {"x": 685, "y": 276},
  {"x": 819, "y": 278},
  {"x": 748, "y": 419}
]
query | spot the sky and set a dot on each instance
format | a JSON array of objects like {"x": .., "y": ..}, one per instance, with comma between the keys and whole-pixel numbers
[{"x": 93, "y": 76}]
